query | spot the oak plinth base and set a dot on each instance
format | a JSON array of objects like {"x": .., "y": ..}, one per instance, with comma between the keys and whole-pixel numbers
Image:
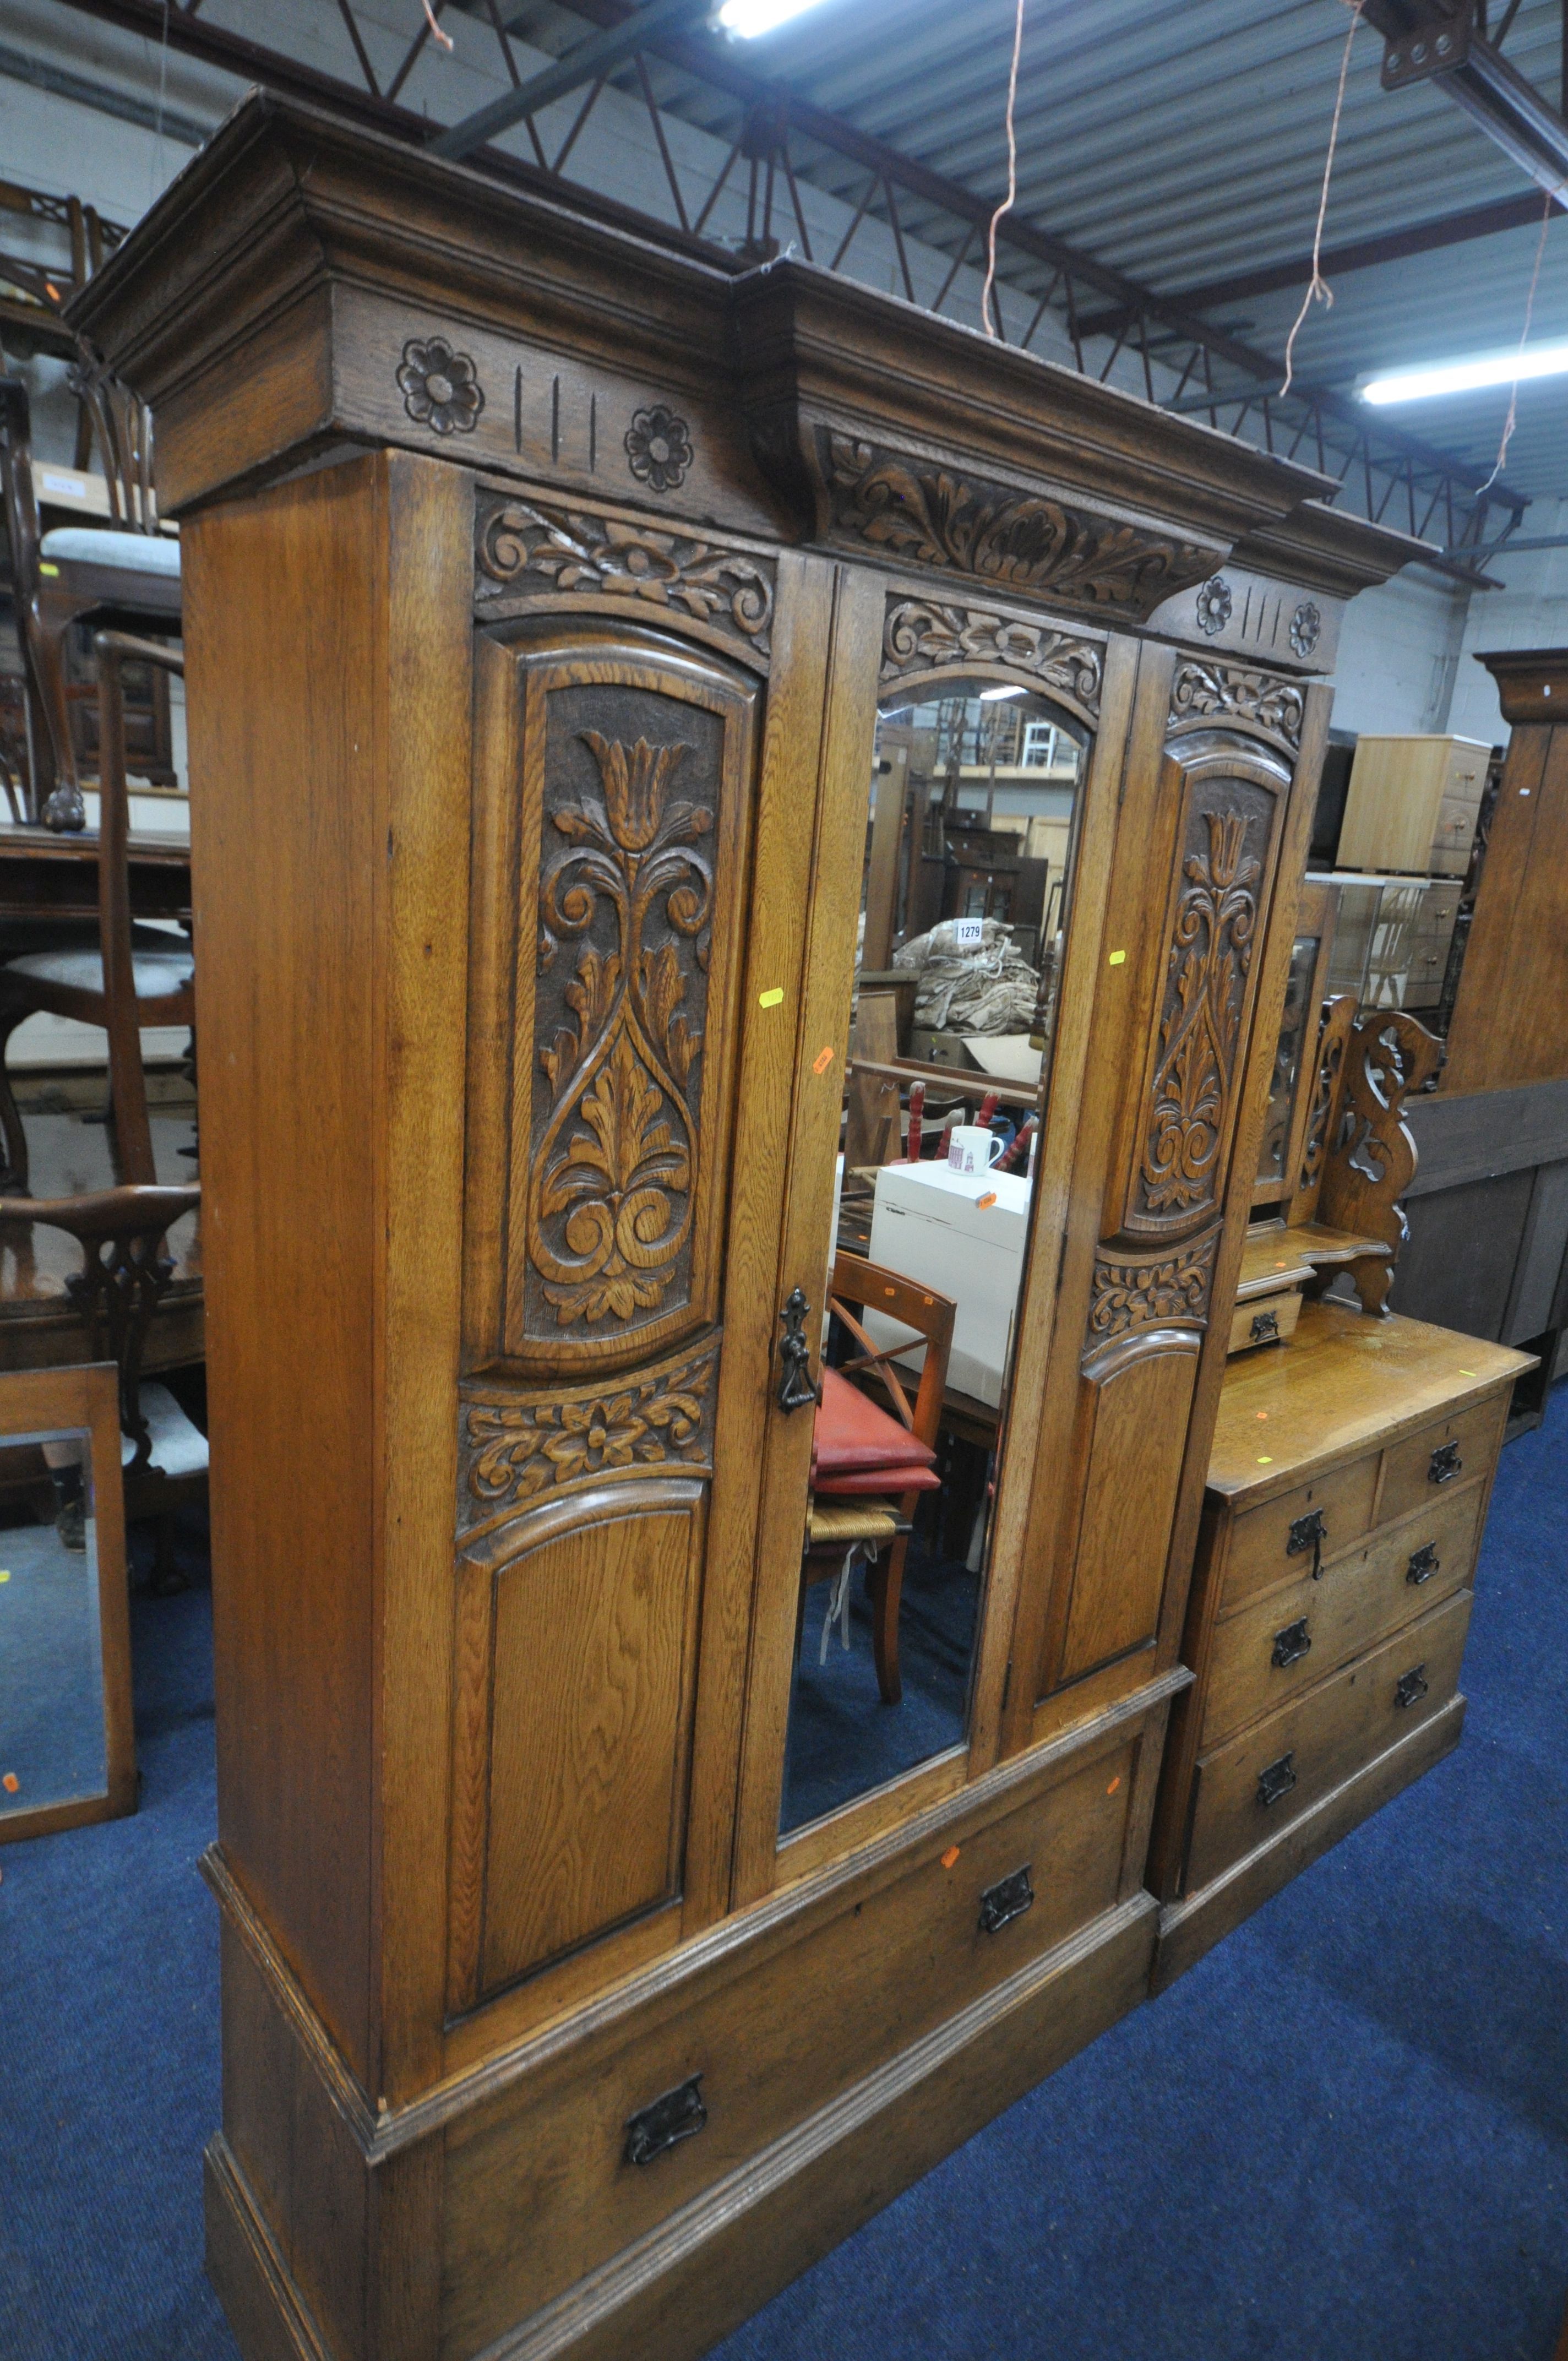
[
  {"x": 698, "y": 2274},
  {"x": 1193, "y": 1925}
]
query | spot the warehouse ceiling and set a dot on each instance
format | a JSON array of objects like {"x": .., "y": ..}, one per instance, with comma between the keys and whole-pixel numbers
[{"x": 1170, "y": 164}]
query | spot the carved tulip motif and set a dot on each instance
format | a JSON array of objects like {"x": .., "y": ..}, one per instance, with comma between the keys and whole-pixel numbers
[{"x": 611, "y": 1183}]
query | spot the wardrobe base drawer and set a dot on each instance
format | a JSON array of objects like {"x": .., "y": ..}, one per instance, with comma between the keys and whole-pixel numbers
[
  {"x": 1190, "y": 1927},
  {"x": 1293, "y": 1758},
  {"x": 1294, "y": 1638},
  {"x": 543, "y": 2183}
]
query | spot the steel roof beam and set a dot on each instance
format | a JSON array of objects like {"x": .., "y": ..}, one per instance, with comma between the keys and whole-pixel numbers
[
  {"x": 1444, "y": 41},
  {"x": 586, "y": 62}
]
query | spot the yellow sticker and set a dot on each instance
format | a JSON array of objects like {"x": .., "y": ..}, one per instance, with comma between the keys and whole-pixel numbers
[
  {"x": 1118, "y": 959},
  {"x": 1463, "y": 1373},
  {"x": 50, "y": 570},
  {"x": 6, "y": 1575},
  {"x": 770, "y": 999},
  {"x": 1263, "y": 1460}
]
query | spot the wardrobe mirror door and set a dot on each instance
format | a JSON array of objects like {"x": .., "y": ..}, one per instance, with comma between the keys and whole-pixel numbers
[
  {"x": 1297, "y": 1033},
  {"x": 965, "y": 886},
  {"x": 54, "y": 1744}
]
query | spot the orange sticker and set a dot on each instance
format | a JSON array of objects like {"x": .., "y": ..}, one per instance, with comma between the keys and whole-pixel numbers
[
  {"x": 980, "y": 1204},
  {"x": 949, "y": 1857},
  {"x": 1115, "y": 1784},
  {"x": 1263, "y": 1413},
  {"x": 10, "y": 1783},
  {"x": 824, "y": 1058}
]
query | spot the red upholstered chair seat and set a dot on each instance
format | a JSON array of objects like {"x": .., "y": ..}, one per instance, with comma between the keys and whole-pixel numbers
[{"x": 858, "y": 1449}]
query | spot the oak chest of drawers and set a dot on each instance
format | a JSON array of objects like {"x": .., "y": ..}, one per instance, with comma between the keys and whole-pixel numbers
[{"x": 1347, "y": 1493}]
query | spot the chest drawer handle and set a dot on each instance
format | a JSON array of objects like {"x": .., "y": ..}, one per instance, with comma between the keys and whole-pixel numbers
[
  {"x": 1424, "y": 1563},
  {"x": 1446, "y": 1463},
  {"x": 1412, "y": 1686},
  {"x": 1265, "y": 1327},
  {"x": 679, "y": 2115},
  {"x": 1277, "y": 1780},
  {"x": 1308, "y": 1532},
  {"x": 1000, "y": 1904},
  {"x": 1291, "y": 1645}
]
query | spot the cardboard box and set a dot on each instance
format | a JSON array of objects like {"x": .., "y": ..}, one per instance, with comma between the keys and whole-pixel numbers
[{"x": 927, "y": 1222}]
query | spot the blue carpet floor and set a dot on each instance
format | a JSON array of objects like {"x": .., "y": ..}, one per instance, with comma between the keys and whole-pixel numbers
[{"x": 1343, "y": 2136}]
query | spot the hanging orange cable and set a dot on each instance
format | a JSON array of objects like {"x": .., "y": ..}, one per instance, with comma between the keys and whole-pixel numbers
[
  {"x": 444, "y": 38},
  {"x": 1006, "y": 205},
  {"x": 1319, "y": 292}
]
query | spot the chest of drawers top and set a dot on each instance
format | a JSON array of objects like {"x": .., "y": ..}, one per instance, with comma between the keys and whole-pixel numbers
[{"x": 1345, "y": 1386}]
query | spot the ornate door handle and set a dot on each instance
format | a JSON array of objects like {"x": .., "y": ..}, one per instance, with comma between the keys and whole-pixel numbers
[
  {"x": 795, "y": 1388},
  {"x": 678, "y": 2115},
  {"x": 1291, "y": 1645},
  {"x": 1424, "y": 1563},
  {"x": 1446, "y": 1463},
  {"x": 1000, "y": 1904}
]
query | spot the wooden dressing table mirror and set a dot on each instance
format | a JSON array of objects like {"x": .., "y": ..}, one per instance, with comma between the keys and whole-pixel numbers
[{"x": 562, "y": 578}]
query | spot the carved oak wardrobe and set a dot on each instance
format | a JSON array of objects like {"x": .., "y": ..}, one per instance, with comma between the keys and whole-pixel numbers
[{"x": 596, "y": 1950}]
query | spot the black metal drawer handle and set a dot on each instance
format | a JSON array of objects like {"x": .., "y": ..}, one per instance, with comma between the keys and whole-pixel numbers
[
  {"x": 1308, "y": 1532},
  {"x": 1291, "y": 1645},
  {"x": 1277, "y": 1780},
  {"x": 1265, "y": 1327},
  {"x": 1424, "y": 1563},
  {"x": 679, "y": 2115},
  {"x": 1411, "y": 1686},
  {"x": 1446, "y": 1463},
  {"x": 1000, "y": 1904}
]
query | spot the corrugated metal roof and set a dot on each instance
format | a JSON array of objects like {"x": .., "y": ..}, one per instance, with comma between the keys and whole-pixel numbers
[{"x": 1185, "y": 144}]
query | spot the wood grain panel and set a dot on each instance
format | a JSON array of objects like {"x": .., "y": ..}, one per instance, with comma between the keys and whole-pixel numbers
[
  {"x": 1510, "y": 1015},
  {"x": 1136, "y": 1429},
  {"x": 589, "y": 1714}
]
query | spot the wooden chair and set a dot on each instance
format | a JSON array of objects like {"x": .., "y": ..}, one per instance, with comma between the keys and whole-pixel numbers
[
  {"x": 130, "y": 977},
  {"x": 838, "y": 1528},
  {"x": 126, "y": 571},
  {"x": 125, "y": 1271}
]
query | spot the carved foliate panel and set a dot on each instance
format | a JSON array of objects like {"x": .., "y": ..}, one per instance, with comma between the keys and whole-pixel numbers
[
  {"x": 915, "y": 512},
  {"x": 517, "y": 1446},
  {"x": 1202, "y": 694},
  {"x": 625, "y": 963},
  {"x": 1159, "y": 1291},
  {"x": 1189, "y": 1109},
  {"x": 525, "y": 549},
  {"x": 920, "y": 636}
]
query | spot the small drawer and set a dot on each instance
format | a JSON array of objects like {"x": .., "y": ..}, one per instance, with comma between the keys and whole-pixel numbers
[
  {"x": 1440, "y": 1458},
  {"x": 1296, "y": 1637},
  {"x": 1266, "y": 1320},
  {"x": 616, "y": 2131},
  {"x": 1274, "y": 1544},
  {"x": 1256, "y": 1785}
]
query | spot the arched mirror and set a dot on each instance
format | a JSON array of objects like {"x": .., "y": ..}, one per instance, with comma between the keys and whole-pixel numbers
[{"x": 966, "y": 890}]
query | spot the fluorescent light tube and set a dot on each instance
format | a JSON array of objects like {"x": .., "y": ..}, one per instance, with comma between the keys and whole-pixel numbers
[
  {"x": 1468, "y": 376},
  {"x": 993, "y": 696},
  {"x": 747, "y": 18}
]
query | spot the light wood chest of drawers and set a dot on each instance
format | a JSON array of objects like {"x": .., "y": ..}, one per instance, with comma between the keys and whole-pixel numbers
[
  {"x": 1412, "y": 804},
  {"x": 1347, "y": 1494}
]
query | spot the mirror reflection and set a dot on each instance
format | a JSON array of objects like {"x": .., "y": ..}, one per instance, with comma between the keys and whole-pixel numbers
[
  {"x": 1298, "y": 1036},
  {"x": 964, "y": 896},
  {"x": 53, "y": 1746}
]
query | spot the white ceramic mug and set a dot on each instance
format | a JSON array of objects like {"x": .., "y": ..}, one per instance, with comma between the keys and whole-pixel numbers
[{"x": 973, "y": 1147}]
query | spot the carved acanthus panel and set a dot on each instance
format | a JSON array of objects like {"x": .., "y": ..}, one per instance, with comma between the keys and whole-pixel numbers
[
  {"x": 523, "y": 549},
  {"x": 918, "y": 636},
  {"x": 1151, "y": 1292},
  {"x": 1180, "y": 1179},
  {"x": 626, "y": 948},
  {"x": 915, "y": 512},
  {"x": 1207, "y": 693},
  {"x": 517, "y": 1447}
]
